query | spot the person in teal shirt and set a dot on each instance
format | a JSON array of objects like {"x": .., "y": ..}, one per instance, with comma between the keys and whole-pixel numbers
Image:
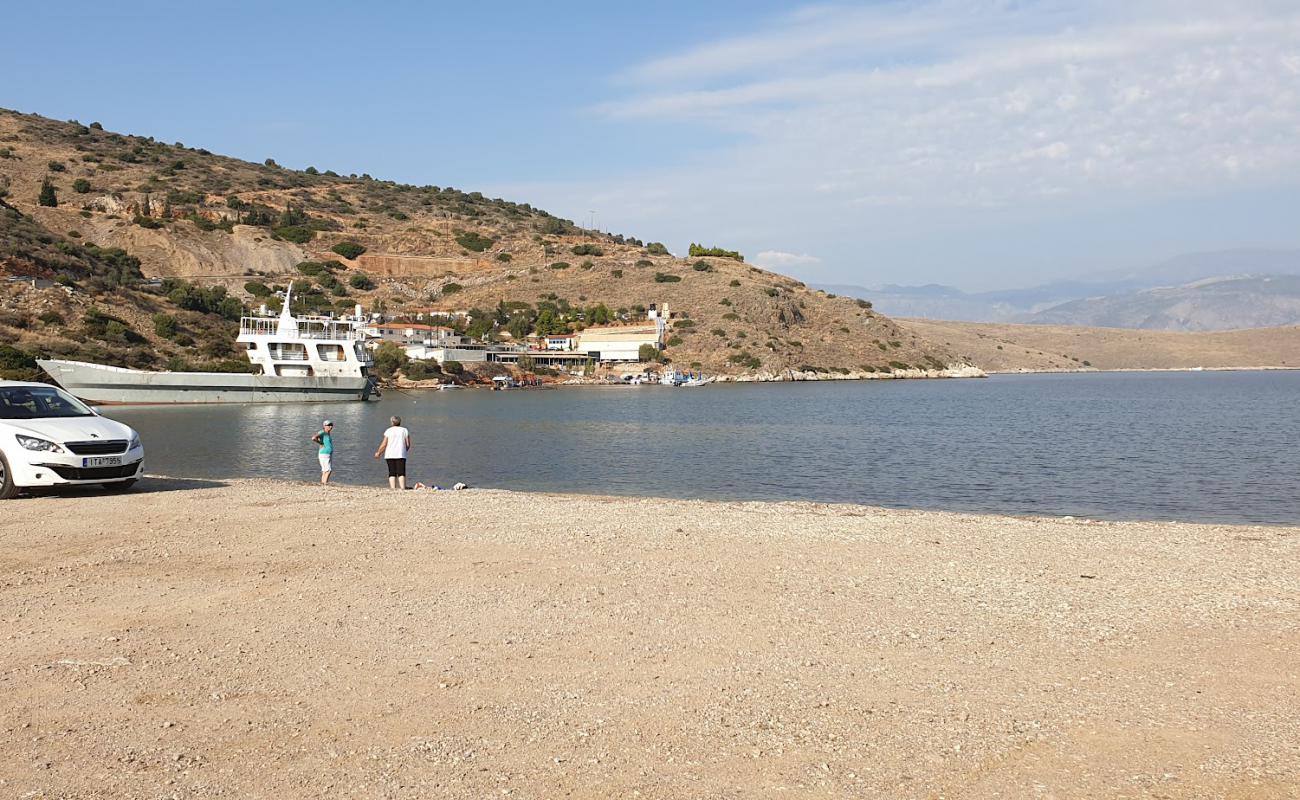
[{"x": 325, "y": 438}]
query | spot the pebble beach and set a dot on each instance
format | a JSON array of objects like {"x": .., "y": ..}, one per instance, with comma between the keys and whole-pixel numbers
[{"x": 260, "y": 639}]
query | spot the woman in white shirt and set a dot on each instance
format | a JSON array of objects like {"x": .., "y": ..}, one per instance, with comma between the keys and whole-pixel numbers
[{"x": 393, "y": 449}]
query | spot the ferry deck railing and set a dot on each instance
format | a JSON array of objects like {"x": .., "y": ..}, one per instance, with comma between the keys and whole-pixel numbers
[{"x": 308, "y": 328}]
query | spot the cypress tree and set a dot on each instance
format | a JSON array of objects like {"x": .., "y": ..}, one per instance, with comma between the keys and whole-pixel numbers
[{"x": 48, "y": 198}]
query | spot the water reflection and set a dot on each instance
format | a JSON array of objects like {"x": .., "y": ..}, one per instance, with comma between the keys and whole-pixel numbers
[{"x": 1204, "y": 446}]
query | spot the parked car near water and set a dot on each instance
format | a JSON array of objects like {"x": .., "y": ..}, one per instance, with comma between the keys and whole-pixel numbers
[{"x": 50, "y": 438}]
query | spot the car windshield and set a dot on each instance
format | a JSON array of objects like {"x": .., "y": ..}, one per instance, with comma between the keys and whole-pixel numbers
[{"x": 39, "y": 402}]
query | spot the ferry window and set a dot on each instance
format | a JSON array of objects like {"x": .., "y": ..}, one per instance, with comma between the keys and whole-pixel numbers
[
  {"x": 289, "y": 352},
  {"x": 330, "y": 352}
]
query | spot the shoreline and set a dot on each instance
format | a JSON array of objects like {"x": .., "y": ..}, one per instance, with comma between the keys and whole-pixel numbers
[
  {"x": 268, "y": 638},
  {"x": 406, "y": 385}
]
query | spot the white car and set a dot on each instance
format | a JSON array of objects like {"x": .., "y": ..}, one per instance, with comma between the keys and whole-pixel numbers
[{"x": 50, "y": 438}]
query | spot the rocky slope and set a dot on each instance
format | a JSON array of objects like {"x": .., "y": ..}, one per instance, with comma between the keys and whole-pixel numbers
[{"x": 188, "y": 214}]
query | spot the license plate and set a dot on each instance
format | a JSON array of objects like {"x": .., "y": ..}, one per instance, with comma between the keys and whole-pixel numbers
[{"x": 103, "y": 461}]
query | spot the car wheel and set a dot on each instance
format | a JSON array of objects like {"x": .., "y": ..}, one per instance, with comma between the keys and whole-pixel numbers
[
  {"x": 120, "y": 486},
  {"x": 8, "y": 489}
]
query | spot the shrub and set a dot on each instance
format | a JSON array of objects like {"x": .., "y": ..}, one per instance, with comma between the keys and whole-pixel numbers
[
  {"x": 421, "y": 370},
  {"x": 684, "y": 323},
  {"x": 453, "y": 368},
  {"x": 724, "y": 301},
  {"x": 770, "y": 292},
  {"x": 164, "y": 325},
  {"x": 702, "y": 266},
  {"x": 555, "y": 226},
  {"x": 451, "y": 288},
  {"x": 57, "y": 166},
  {"x": 587, "y": 264},
  {"x": 587, "y": 250},
  {"x": 51, "y": 318},
  {"x": 656, "y": 249},
  {"x": 96, "y": 126},
  {"x": 474, "y": 242},
  {"x": 719, "y": 332},
  {"x": 311, "y": 268},
  {"x": 560, "y": 265},
  {"x": 47, "y": 196},
  {"x": 298, "y": 234},
  {"x": 258, "y": 289},
  {"x": 731, "y": 316},
  {"x": 674, "y": 341},
  {"x": 15, "y": 363},
  {"x": 734, "y": 282},
  {"x": 81, "y": 186},
  {"x": 899, "y": 365},
  {"x": 349, "y": 250},
  {"x": 642, "y": 263},
  {"x": 745, "y": 360},
  {"x": 647, "y": 352},
  {"x": 146, "y": 222},
  {"x": 864, "y": 304},
  {"x": 617, "y": 273},
  {"x": 361, "y": 282},
  {"x": 700, "y": 250},
  {"x": 504, "y": 258},
  {"x": 661, "y": 277}
]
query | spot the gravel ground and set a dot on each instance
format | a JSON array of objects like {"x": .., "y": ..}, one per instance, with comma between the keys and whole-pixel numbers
[{"x": 275, "y": 640}]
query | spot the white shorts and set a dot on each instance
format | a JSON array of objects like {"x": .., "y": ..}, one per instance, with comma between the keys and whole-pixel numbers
[{"x": 326, "y": 462}]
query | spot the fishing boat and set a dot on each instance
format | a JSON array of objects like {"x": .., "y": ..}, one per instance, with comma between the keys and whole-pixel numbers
[{"x": 294, "y": 359}]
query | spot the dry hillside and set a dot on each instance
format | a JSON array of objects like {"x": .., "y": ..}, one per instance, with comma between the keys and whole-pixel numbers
[
  {"x": 999, "y": 347},
  {"x": 189, "y": 214}
]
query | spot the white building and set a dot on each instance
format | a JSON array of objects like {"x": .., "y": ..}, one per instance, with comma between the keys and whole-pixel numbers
[{"x": 621, "y": 342}]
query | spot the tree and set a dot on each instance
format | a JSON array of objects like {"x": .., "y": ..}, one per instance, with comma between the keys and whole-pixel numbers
[
  {"x": 361, "y": 282},
  {"x": 526, "y": 363},
  {"x": 47, "y": 197},
  {"x": 520, "y": 325},
  {"x": 549, "y": 323},
  {"x": 389, "y": 358},
  {"x": 656, "y": 249},
  {"x": 81, "y": 186},
  {"x": 647, "y": 352}
]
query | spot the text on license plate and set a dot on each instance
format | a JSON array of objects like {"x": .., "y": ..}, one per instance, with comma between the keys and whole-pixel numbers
[{"x": 102, "y": 461}]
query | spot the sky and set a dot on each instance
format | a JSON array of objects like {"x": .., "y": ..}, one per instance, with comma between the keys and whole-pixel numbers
[{"x": 985, "y": 144}]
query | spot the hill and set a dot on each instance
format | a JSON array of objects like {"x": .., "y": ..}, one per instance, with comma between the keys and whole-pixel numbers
[
  {"x": 1221, "y": 290},
  {"x": 1214, "y": 304},
  {"x": 1002, "y": 347},
  {"x": 213, "y": 224}
]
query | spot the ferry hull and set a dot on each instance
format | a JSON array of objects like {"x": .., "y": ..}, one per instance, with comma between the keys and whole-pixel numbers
[{"x": 96, "y": 383}]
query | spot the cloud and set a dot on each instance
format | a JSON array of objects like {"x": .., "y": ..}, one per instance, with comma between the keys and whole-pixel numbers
[
  {"x": 779, "y": 260},
  {"x": 937, "y": 100},
  {"x": 844, "y": 127}
]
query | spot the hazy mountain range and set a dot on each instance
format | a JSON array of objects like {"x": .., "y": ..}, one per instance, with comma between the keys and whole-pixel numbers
[{"x": 1221, "y": 290}]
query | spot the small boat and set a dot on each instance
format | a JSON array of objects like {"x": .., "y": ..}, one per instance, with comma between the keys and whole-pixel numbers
[{"x": 444, "y": 387}]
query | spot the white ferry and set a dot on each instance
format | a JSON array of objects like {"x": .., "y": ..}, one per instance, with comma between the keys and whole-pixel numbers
[{"x": 296, "y": 359}]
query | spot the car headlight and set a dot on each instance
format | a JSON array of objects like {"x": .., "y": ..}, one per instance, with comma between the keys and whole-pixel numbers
[
  {"x": 135, "y": 441},
  {"x": 40, "y": 445}
]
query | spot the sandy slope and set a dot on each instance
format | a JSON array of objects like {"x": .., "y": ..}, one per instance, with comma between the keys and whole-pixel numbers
[
  {"x": 269, "y": 640},
  {"x": 1001, "y": 347}
]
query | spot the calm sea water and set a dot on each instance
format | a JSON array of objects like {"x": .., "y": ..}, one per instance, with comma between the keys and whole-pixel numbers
[{"x": 1191, "y": 446}]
